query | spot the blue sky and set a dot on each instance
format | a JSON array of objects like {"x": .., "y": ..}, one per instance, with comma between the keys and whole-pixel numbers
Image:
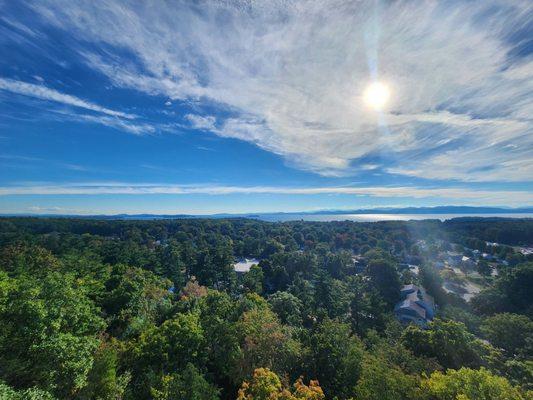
[{"x": 244, "y": 106}]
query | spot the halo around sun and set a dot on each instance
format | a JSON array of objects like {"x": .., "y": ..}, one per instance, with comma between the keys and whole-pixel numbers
[{"x": 377, "y": 95}]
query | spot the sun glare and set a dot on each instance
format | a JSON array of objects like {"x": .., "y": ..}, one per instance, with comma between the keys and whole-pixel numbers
[{"x": 377, "y": 95}]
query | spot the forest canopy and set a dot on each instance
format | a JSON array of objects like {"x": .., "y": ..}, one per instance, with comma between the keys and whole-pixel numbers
[{"x": 108, "y": 309}]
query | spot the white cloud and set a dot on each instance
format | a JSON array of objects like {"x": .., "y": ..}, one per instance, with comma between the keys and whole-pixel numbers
[
  {"x": 290, "y": 74},
  {"x": 117, "y": 123},
  {"x": 45, "y": 209},
  {"x": 200, "y": 122},
  {"x": 54, "y": 210},
  {"x": 484, "y": 197},
  {"x": 19, "y": 27},
  {"x": 44, "y": 93},
  {"x": 104, "y": 116}
]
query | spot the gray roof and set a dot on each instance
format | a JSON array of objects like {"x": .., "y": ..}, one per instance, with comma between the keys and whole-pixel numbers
[
  {"x": 408, "y": 305},
  {"x": 409, "y": 288},
  {"x": 426, "y": 298},
  {"x": 415, "y": 298}
]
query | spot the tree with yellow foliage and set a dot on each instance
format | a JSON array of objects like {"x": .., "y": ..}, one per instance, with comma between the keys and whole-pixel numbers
[{"x": 266, "y": 385}]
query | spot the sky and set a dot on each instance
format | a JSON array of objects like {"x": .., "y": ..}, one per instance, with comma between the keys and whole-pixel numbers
[{"x": 202, "y": 107}]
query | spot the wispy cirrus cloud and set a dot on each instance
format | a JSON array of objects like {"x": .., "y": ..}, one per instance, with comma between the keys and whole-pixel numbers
[
  {"x": 288, "y": 76},
  {"x": 44, "y": 93},
  {"x": 117, "y": 123},
  {"x": 123, "y": 121},
  {"x": 485, "y": 197},
  {"x": 38, "y": 162}
]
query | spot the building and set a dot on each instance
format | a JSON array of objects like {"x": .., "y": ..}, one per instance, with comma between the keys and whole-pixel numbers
[
  {"x": 454, "y": 259},
  {"x": 488, "y": 257},
  {"x": 467, "y": 262},
  {"x": 243, "y": 265},
  {"x": 416, "y": 307}
]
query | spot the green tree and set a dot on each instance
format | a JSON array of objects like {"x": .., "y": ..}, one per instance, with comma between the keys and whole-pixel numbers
[
  {"x": 8, "y": 393},
  {"x": 447, "y": 341},
  {"x": 335, "y": 358},
  {"x": 382, "y": 381},
  {"x": 166, "y": 349},
  {"x": 48, "y": 333},
  {"x": 104, "y": 381},
  {"x": 266, "y": 343},
  {"x": 287, "y": 307},
  {"x": 510, "y": 293},
  {"x": 484, "y": 268},
  {"x": 253, "y": 280},
  {"x": 490, "y": 301},
  {"x": 187, "y": 385},
  {"x": 339, "y": 264},
  {"x": 519, "y": 373},
  {"x": 218, "y": 317},
  {"x": 460, "y": 314},
  {"x": 387, "y": 346},
  {"x": 510, "y": 332},
  {"x": 385, "y": 278},
  {"x": 517, "y": 284},
  {"x": 27, "y": 259},
  {"x": 431, "y": 279},
  {"x": 332, "y": 298},
  {"x": 367, "y": 309},
  {"x": 172, "y": 263},
  {"x": 214, "y": 266},
  {"x": 135, "y": 299},
  {"x": 469, "y": 384}
]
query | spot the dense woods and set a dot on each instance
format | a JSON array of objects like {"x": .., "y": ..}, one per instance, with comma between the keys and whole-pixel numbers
[{"x": 108, "y": 309}]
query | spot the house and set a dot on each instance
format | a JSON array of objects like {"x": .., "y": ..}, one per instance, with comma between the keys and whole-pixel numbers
[
  {"x": 467, "y": 262},
  {"x": 454, "y": 259},
  {"x": 416, "y": 306},
  {"x": 488, "y": 257},
  {"x": 525, "y": 250},
  {"x": 243, "y": 265}
]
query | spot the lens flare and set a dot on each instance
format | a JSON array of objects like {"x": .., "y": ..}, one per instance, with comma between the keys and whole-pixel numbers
[{"x": 377, "y": 95}]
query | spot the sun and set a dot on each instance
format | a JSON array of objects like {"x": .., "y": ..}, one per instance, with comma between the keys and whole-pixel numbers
[{"x": 377, "y": 95}]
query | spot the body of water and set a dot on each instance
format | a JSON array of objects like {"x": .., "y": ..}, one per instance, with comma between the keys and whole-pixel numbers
[{"x": 379, "y": 217}]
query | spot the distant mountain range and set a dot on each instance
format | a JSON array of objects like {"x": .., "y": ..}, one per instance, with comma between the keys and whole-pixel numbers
[
  {"x": 434, "y": 210},
  {"x": 460, "y": 210}
]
